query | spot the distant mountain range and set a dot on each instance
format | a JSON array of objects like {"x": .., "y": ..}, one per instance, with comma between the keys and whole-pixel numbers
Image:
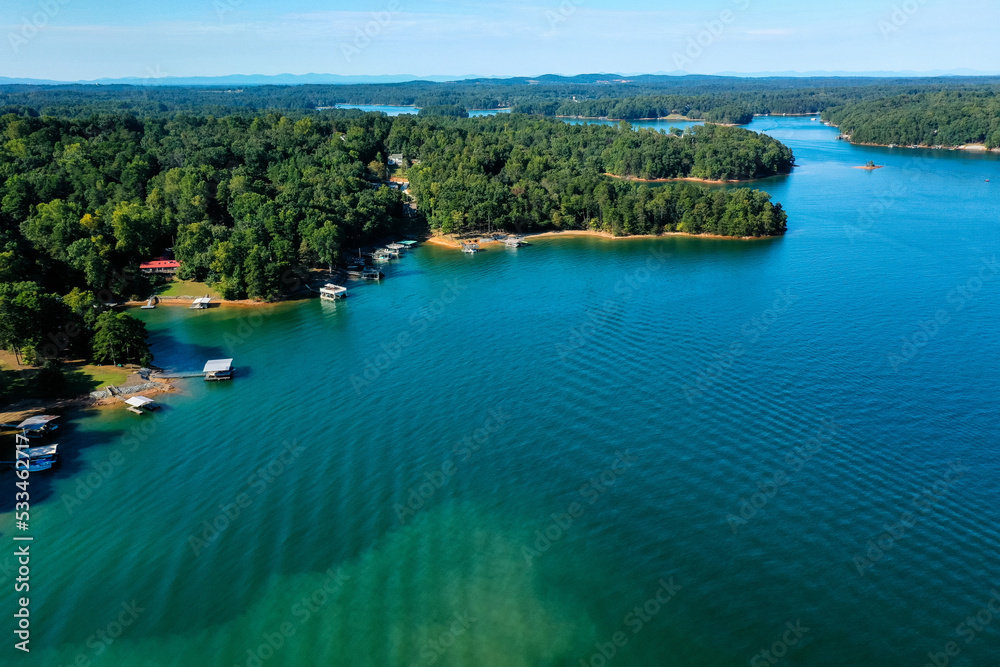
[
  {"x": 336, "y": 79},
  {"x": 244, "y": 80}
]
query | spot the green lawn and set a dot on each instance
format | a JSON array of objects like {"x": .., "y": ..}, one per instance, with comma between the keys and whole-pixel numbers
[
  {"x": 84, "y": 378},
  {"x": 186, "y": 288}
]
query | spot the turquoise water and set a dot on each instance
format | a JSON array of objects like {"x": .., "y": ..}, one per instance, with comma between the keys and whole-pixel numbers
[
  {"x": 639, "y": 390},
  {"x": 658, "y": 124}
]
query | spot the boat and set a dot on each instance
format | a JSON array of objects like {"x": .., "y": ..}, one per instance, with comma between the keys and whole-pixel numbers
[
  {"x": 514, "y": 242},
  {"x": 470, "y": 248},
  {"x": 40, "y": 465},
  {"x": 371, "y": 273},
  {"x": 43, "y": 452},
  {"x": 382, "y": 256},
  {"x": 36, "y": 459}
]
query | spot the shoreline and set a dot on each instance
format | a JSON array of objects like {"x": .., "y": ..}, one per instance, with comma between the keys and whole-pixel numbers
[
  {"x": 679, "y": 119},
  {"x": 973, "y": 148},
  {"x": 27, "y": 407},
  {"x": 453, "y": 242},
  {"x": 186, "y": 301},
  {"x": 688, "y": 179}
]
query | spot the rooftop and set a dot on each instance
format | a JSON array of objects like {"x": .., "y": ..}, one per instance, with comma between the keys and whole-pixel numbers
[
  {"x": 139, "y": 401},
  {"x": 218, "y": 365},
  {"x": 161, "y": 264}
]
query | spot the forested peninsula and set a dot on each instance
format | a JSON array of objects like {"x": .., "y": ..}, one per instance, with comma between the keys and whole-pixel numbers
[
  {"x": 946, "y": 119},
  {"x": 529, "y": 174}
]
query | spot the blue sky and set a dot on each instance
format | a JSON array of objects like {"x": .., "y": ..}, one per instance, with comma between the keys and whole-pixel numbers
[{"x": 89, "y": 39}]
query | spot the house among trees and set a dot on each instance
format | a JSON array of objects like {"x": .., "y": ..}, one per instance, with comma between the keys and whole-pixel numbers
[
  {"x": 396, "y": 160},
  {"x": 160, "y": 266}
]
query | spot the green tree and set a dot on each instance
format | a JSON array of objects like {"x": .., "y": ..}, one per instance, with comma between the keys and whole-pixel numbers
[{"x": 120, "y": 338}]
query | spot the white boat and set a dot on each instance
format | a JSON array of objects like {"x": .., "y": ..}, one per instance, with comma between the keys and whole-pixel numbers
[
  {"x": 40, "y": 465},
  {"x": 43, "y": 452}
]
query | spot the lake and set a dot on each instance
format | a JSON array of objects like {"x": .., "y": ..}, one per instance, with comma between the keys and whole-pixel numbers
[
  {"x": 399, "y": 111},
  {"x": 672, "y": 451}
]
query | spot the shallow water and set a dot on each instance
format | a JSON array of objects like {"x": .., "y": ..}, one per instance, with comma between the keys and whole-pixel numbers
[{"x": 638, "y": 390}]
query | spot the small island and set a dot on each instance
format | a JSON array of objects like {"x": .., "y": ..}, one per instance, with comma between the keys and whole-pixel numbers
[{"x": 871, "y": 166}]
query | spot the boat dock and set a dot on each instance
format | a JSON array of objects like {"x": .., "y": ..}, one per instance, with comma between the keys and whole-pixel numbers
[
  {"x": 218, "y": 370},
  {"x": 331, "y": 292}
]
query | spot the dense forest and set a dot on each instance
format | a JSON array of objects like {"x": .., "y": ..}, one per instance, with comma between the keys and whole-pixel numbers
[
  {"x": 713, "y": 98},
  {"x": 923, "y": 119},
  {"x": 242, "y": 200},
  {"x": 524, "y": 174}
]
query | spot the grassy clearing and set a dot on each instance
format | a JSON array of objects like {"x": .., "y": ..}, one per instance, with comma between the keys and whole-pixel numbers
[
  {"x": 186, "y": 288},
  {"x": 84, "y": 378},
  {"x": 81, "y": 378}
]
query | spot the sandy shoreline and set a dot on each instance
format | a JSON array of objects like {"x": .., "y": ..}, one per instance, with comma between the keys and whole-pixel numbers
[
  {"x": 454, "y": 242},
  {"x": 688, "y": 179},
  {"x": 186, "y": 301},
  {"x": 28, "y": 407}
]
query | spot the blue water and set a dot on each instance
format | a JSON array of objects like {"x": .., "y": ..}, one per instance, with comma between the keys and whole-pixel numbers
[
  {"x": 631, "y": 400},
  {"x": 397, "y": 111}
]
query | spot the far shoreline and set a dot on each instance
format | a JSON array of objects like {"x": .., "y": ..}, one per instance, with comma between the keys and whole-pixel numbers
[
  {"x": 689, "y": 179},
  {"x": 186, "y": 301},
  {"x": 453, "y": 242}
]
